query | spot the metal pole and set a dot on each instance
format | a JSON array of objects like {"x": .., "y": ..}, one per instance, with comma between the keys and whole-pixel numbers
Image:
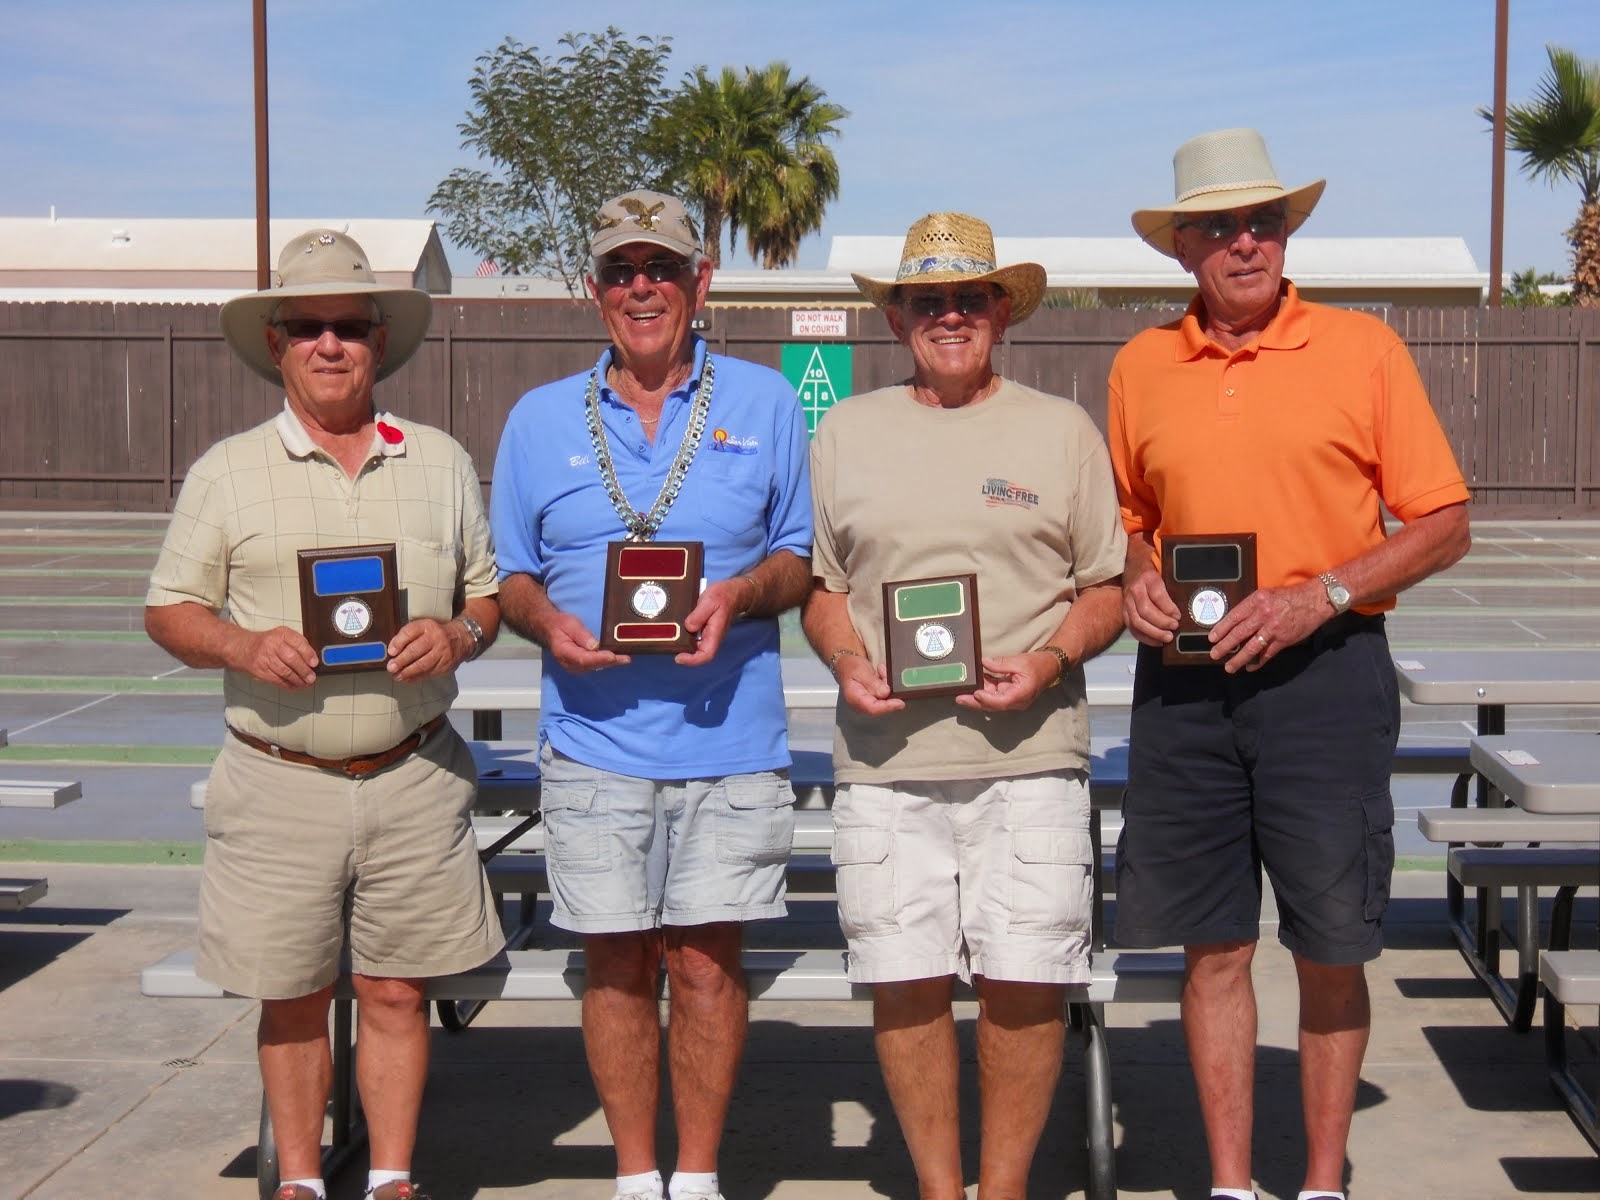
[
  {"x": 263, "y": 212},
  {"x": 1497, "y": 188}
]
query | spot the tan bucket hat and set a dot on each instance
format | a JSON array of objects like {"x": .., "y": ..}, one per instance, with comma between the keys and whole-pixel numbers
[
  {"x": 644, "y": 216},
  {"x": 1218, "y": 171},
  {"x": 325, "y": 262},
  {"x": 947, "y": 247}
]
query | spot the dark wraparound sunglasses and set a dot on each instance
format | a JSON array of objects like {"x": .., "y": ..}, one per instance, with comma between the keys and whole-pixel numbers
[
  {"x": 309, "y": 329},
  {"x": 1261, "y": 222},
  {"x": 935, "y": 304},
  {"x": 657, "y": 270}
]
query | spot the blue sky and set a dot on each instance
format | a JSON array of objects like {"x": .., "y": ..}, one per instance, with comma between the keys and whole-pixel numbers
[{"x": 1047, "y": 118}]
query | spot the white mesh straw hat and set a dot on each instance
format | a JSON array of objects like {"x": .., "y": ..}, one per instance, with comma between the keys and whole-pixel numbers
[{"x": 1219, "y": 171}]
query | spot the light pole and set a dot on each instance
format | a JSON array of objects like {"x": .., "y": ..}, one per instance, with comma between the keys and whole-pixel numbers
[{"x": 263, "y": 211}]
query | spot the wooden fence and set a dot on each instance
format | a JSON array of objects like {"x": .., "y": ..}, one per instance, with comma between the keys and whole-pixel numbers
[{"x": 106, "y": 405}]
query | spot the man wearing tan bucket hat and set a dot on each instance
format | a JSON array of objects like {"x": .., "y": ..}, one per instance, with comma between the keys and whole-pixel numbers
[
  {"x": 1259, "y": 413},
  {"x": 338, "y": 812},
  {"x": 961, "y": 824}
]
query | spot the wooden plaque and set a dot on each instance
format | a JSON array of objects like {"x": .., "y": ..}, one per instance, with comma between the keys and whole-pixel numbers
[
  {"x": 930, "y": 635},
  {"x": 1206, "y": 575},
  {"x": 650, "y": 588},
  {"x": 350, "y": 605}
]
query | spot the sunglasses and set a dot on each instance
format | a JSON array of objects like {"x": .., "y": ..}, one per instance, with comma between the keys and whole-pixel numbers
[
  {"x": 310, "y": 329},
  {"x": 935, "y": 304},
  {"x": 1215, "y": 227},
  {"x": 657, "y": 270}
]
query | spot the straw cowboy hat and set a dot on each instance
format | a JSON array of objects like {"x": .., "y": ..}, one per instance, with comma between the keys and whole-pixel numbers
[
  {"x": 325, "y": 262},
  {"x": 1219, "y": 171},
  {"x": 955, "y": 248}
]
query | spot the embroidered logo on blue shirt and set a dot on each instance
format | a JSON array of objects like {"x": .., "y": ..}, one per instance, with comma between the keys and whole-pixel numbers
[{"x": 727, "y": 443}]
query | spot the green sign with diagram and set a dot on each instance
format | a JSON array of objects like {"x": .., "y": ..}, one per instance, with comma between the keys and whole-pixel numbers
[{"x": 819, "y": 374}]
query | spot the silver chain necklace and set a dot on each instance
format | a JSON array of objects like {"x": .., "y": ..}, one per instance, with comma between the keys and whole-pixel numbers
[{"x": 642, "y": 527}]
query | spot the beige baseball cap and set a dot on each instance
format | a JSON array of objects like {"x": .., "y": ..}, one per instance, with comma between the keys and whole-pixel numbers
[{"x": 644, "y": 216}]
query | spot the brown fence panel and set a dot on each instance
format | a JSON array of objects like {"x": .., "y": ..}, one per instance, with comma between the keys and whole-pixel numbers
[{"x": 105, "y": 406}]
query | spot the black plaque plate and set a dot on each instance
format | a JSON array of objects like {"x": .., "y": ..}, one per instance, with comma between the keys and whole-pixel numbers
[
  {"x": 650, "y": 588},
  {"x": 1206, "y": 574},
  {"x": 349, "y": 605},
  {"x": 930, "y": 635}
]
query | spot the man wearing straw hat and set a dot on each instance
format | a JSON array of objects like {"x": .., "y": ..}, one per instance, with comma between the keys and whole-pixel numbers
[
  {"x": 338, "y": 812},
  {"x": 667, "y": 806},
  {"x": 1260, "y": 413},
  {"x": 961, "y": 824}
]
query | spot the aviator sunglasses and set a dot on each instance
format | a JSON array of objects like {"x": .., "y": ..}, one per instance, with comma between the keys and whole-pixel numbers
[
  {"x": 309, "y": 329},
  {"x": 1215, "y": 227},
  {"x": 657, "y": 270},
  {"x": 935, "y": 304}
]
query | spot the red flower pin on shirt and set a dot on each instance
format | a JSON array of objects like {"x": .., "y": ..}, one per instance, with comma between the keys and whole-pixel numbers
[{"x": 390, "y": 434}]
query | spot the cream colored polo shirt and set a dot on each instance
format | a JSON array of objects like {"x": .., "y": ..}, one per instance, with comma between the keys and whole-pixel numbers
[{"x": 252, "y": 501}]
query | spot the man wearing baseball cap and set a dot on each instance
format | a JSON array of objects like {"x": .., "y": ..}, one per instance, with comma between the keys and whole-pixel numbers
[
  {"x": 667, "y": 807},
  {"x": 338, "y": 812},
  {"x": 1298, "y": 425}
]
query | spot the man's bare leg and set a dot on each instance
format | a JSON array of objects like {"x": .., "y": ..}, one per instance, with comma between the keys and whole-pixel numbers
[
  {"x": 1335, "y": 1022},
  {"x": 391, "y": 1065},
  {"x": 915, "y": 1032},
  {"x": 622, "y": 1037},
  {"x": 1020, "y": 1032},
  {"x": 296, "y": 1075},
  {"x": 705, "y": 1034},
  {"x": 1219, "y": 1021}
]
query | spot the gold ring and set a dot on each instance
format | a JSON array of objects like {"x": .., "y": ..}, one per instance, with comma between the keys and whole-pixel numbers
[{"x": 1261, "y": 639}]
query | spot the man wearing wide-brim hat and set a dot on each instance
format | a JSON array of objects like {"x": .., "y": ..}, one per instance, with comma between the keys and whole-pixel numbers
[
  {"x": 1265, "y": 414},
  {"x": 338, "y": 812},
  {"x": 961, "y": 823}
]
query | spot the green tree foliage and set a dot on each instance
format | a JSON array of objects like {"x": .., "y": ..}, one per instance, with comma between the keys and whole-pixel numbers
[
  {"x": 560, "y": 135},
  {"x": 1557, "y": 134},
  {"x": 749, "y": 150},
  {"x": 1526, "y": 291}
]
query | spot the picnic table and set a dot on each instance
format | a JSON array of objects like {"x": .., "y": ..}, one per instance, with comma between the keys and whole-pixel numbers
[{"x": 17, "y": 894}]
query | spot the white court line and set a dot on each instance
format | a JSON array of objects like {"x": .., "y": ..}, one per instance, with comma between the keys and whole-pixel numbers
[
  {"x": 1467, "y": 598},
  {"x": 1533, "y": 632},
  {"x": 68, "y": 713},
  {"x": 174, "y": 671}
]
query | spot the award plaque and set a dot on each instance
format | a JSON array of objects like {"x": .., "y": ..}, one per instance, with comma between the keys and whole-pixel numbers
[
  {"x": 650, "y": 588},
  {"x": 930, "y": 636},
  {"x": 1206, "y": 575},
  {"x": 349, "y": 605}
]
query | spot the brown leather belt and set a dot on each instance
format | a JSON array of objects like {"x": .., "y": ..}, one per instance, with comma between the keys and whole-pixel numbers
[{"x": 357, "y": 765}]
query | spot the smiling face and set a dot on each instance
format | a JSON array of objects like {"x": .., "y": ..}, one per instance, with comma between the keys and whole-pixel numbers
[
  {"x": 951, "y": 331},
  {"x": 328, "y": 380},
  {"x": 1238, "y": 274},
  {"x": 648, "y": 319}
]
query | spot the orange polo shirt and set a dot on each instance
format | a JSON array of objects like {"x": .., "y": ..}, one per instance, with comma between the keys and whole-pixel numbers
[{"x": 1302, "y": 437}]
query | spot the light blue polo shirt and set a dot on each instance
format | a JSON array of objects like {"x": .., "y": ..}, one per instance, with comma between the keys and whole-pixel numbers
[{"x": 747, "y": 494}]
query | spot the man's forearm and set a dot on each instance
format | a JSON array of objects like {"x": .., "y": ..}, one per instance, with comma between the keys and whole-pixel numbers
[
  {"x": 525, "y": 606},
  {"x": 777, "y": 583},
  {"x": 193, "y": 634},
  {"x": 1092, "y": 623}
]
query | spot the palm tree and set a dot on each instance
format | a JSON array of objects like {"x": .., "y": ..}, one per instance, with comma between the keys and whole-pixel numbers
[
  {"x": 789, "y": 204},
  {"x": 749, "y": 154},
  {"x": 1558, "y": 136}
]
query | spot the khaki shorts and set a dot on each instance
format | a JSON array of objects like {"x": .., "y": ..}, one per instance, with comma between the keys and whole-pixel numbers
[
  {"x": 990, "y": 877},
  {"x": 295, "y": 855}
]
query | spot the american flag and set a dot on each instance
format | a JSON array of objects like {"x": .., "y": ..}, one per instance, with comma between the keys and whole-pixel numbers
[{"x": 488, "y": 267}]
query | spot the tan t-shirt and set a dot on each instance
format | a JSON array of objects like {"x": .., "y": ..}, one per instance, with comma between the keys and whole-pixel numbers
[
  {"x": 1016, "y": 488},
  {"x": 252, "y": 501}
]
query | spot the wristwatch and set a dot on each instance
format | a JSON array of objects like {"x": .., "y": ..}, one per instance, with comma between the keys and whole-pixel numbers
[
  {"x": 1338, "y": 594},
  {"x": 476, "y": 631},
  {"x": 1062, "y": 662}
]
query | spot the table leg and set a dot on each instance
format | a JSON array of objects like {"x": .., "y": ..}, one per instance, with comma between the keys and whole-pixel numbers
[{"x": 486, "y": 725}]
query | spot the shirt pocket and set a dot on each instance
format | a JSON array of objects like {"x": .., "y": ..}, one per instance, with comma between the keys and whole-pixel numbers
[{"x": 731, "y": 492}]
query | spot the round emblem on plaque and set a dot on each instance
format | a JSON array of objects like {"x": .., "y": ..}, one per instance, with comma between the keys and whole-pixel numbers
[
  {"x": 1207, "y": 606},
  {"x": 649, "y": 600},
  {"x": 352, "y": 618},
  {"x": 934, "y": 640}
]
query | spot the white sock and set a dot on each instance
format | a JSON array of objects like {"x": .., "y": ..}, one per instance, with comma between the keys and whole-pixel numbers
[
  {"x": 1320, "y": 1195},
  {"x": 376, "y": 1179},
  {"x": 316, "y": 1185},
  {"x": 635, "y": 1185},
  {"x": 693, "y": 1183},
  {"x": 1231, "y": 1194}
]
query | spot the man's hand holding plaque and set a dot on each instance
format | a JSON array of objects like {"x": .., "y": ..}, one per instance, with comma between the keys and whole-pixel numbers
[
  {"x": 1205, "y": 575},
  {"x": 930, "y": 636},
  {"x": 349, "y": 605}
]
